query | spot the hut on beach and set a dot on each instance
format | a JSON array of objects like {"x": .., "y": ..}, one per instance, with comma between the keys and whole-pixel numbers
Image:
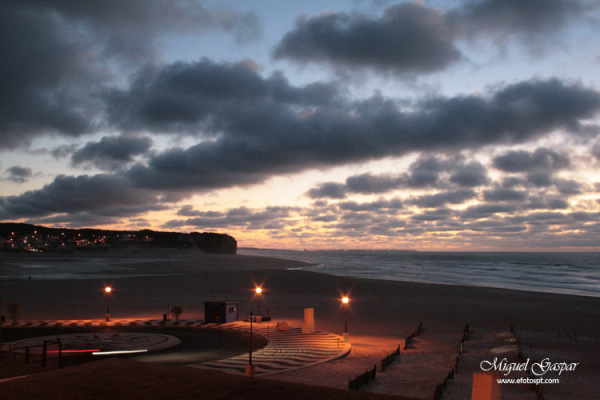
[{"x": 220, "y": 312}]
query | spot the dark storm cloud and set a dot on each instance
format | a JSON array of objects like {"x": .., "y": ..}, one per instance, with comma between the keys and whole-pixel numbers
[
  {"x": 508, "y": 195},
  {"x": 444, "y": 198},
  {"x": 488, "y": 210},
  {"x": 500, "y": 226},
  {"x": 63, "y": 151},
  {"x": 111, "y": 152},
  {"x": 78, "y": 220},
  {"x": 205, "y": 96},
  {"x": 436, "y": 215},
  {"x": 469, "y": 175},
  {"x": 262, "y": 127},
  {"x": 407, "y": 38},
  {"x": 58, "y": 56},
  {"x": 596, "y": 150},
  {"x": 18, "y": 174},
  {"x": 540, "y": 178},
  {"x": 42, "y": 67},
  {"x": 546, "y": 202},
  {"x": 543, "y": 159},
  {"x": 369, "y": 183},
  {"x": 515, "y": 16},
  {"x": 529, "y": 198},
  {"x": 78, "y": 194},
  {"x": 538, "y": 168},
  {"x": 513, "y": 114},
  {"x": 586, "y": 217},
  {"x": 425, "y": 172},
  {"x": 329, "y": 190},
  {"x": 267, "y": 218},
  {"x": 568, "y": 186},
  {"x": 412, "y": 38}
]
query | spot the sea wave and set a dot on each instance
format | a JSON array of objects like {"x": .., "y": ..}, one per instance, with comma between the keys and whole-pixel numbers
[{"x": 564, "y": 273}]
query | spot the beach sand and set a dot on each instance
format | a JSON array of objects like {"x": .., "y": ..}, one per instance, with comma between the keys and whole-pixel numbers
[{"x": 560, "y": 328}]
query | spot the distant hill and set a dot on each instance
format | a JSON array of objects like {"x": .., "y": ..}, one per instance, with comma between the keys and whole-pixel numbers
[{"x": 33, "y": 238}]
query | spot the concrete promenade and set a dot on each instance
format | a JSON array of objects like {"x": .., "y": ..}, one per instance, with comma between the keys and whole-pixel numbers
[{"x": 286, "y": 350}]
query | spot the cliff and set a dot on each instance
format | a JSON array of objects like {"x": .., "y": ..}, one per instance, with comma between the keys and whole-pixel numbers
[{"x": 33, "y": 238}]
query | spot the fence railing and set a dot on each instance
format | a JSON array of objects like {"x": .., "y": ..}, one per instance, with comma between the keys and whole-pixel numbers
[
  {"x": 417, "y": 332},
  {"x": 390, "y": 358},
  {"x": 47, "y": 354},
  {"x": 361, "y": 380},
  {"x": 437, "y": 393},
  {"x": 537, "y": 388}
]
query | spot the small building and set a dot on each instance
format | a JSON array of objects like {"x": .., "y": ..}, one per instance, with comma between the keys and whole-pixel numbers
[{"x": 220, "y": 312}]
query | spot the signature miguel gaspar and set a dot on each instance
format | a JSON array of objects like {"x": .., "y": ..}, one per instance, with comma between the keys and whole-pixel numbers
[{"x": 537, "y": 368}]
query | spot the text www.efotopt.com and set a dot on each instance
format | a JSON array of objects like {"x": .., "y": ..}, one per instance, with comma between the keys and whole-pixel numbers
[{"x": 535, "y": 381}]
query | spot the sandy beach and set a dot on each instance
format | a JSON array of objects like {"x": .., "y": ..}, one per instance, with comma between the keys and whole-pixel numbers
[{"x": 559, "y": 328}]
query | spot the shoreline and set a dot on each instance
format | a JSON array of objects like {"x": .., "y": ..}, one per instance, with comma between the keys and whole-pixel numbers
[
  {"x": 161, "y": 265},
  {"x": 380, "y": 314},
  {"x": 133, "y": 257},
  {"x": 481, "y": 269}
]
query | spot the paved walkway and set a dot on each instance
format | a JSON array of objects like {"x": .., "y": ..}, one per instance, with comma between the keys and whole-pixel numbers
[
  {"x": 99, "y": 343},
  {"x": 286, "y": 351}
]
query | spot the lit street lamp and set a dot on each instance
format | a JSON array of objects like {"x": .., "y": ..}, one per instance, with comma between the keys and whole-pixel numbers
[
  {"x": 258, "y": 292},
  {"x": 345, "y": 301},
  {"x": 250, "y": 368},
  {"x": 107, "y": 290}
]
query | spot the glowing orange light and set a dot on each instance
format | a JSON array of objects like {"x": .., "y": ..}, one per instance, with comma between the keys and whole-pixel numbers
[
  {"x": 258, "y": 290},
  {"x": 345, "y": 300},
  {"x": 108, "y": 289}
]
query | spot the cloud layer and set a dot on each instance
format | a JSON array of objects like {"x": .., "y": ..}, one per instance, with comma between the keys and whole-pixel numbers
[
  {"x": 140, "y": 132},
  {"x": 407, "y": 38}
]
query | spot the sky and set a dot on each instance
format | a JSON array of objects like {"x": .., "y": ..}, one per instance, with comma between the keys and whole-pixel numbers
[{"x": 362, "y": 124}]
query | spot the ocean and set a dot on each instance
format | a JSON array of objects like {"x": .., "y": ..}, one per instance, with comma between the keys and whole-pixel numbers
[
  {"x": 565, "y": 273},
  {"x": 56, "y": 268}
]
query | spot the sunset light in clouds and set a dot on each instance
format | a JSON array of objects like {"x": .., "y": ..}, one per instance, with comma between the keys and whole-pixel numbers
[{"x": 440, "y": 125}]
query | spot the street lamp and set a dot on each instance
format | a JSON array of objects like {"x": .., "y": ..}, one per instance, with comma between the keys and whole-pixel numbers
[
  {"x": 258, "y": 292},
  {"x": 250, "y": 368},
  {"x": 107, "y": 290},
  {"x": 345, "y": 301}
]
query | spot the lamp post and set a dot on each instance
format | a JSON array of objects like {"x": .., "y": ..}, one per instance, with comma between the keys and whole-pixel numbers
[
  {"x": 250, "y": 368},
  {"x": 1, "y": 276},
  {"x": 345, "y": 301},
  {"x": 107, "y": 290},
  {"x": 258, "y": 292}
]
